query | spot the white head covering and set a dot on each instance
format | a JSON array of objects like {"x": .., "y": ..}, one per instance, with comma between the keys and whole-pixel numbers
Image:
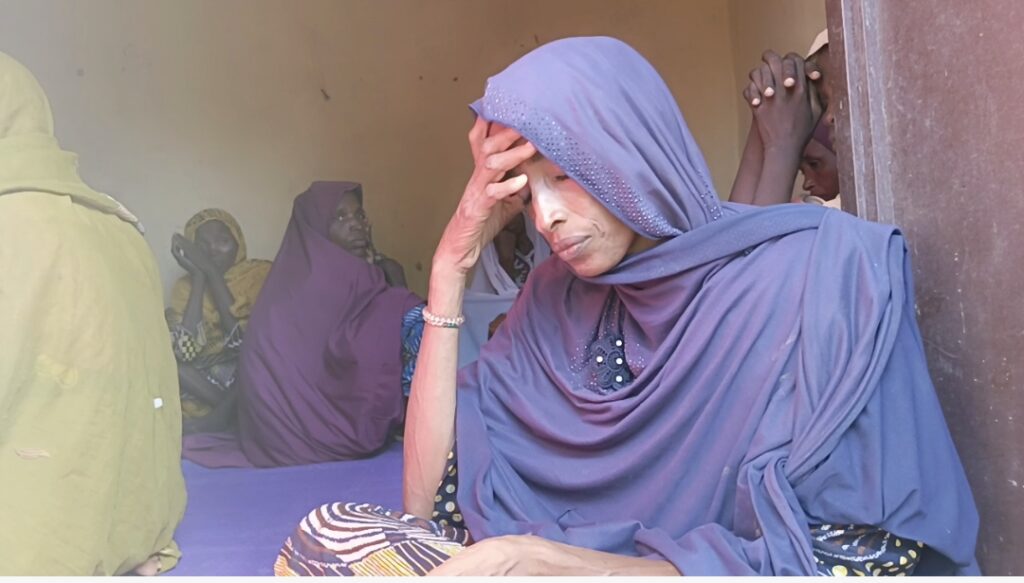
[
  {"x": 491, "y": 277},
  {"x": 820, "y": 42},
  {"x": 491, "y": 293}
]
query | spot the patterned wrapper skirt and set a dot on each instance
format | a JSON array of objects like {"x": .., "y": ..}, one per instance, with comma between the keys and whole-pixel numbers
[{"x": 367, "y": 540}]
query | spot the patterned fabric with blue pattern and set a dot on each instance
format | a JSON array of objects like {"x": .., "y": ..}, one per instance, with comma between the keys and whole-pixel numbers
[{"x": 412, "y": 334}]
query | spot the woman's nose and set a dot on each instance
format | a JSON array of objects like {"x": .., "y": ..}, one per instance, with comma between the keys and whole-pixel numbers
[{"x": 548, "y": 210}]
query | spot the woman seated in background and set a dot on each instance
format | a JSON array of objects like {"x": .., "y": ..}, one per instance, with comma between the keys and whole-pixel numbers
[
  {"x": 351, "y": 230},
  {"x": 687, "y": 388},
  {"x": 210, "y": 308},
  {"x": 90, "y": 421},
  {"x": 501, "y": 272},
  {"x": 320, "y": 375}
]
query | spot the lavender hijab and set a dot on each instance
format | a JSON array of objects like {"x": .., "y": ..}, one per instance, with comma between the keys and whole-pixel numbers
[
  {"x": 320, "y": 370},
  {"x": 779, "y": 375}
]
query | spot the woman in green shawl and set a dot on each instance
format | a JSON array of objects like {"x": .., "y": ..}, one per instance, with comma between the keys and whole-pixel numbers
[{"x": 90, "y": 420}]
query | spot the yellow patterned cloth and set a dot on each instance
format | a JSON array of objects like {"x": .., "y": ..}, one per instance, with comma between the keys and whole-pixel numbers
[
  {"x": 90, "y": 423},
  {"x": 848, "y": 550}
]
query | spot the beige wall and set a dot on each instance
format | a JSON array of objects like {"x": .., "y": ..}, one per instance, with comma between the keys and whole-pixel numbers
[
  {"x": 758, "y": 25},
  {"x": 177, "y": 105}
]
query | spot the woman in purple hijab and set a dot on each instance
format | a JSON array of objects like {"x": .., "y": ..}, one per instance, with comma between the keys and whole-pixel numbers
[
  {"x": 686, "y": 386},
  {"x": 321, "y": 368}
]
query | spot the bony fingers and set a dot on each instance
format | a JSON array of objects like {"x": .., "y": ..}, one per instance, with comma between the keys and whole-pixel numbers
[
  {"x": 767, "y": 81},
  {"x": 500, "y": 141},
  {"x": 793, "y": 65},
  {"x": 788, "y": 71},
  {"x": 812, "y": 70},
  {"x": 509, "y": 159},
  {"x": 499, "y": 190},
  {"x": 479, "y": 130},
  {"x": 752, "y": 95},
  {"x": 789, "y": 81},
  {"x": 774, "y": 63}
]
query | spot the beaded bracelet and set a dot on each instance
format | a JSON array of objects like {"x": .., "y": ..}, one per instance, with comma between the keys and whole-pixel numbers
[{"x": 441, "y": 321}]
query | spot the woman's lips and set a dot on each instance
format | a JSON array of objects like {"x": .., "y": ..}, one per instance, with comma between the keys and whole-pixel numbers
[{"x": 568, "y": 248}]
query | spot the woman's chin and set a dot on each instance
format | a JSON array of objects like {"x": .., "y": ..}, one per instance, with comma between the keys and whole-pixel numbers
[{"x": 583, "y": 268}]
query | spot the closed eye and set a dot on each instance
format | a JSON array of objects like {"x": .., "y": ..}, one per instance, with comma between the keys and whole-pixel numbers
[{"x": 562, "y": 178}]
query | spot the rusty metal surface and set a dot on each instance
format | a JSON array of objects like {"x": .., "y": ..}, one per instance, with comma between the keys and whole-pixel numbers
[{"x": 931, "y": 137}]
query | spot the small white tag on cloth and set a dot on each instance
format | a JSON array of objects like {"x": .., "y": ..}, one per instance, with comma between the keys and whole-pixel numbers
[
  {"x": 158, "y": 403},
  {"x": 32, "y": 453}
]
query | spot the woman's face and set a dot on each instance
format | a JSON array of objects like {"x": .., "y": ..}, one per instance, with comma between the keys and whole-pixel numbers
[
  {"x": 349, "y": 227},
  {"x": 215, "y": 239},
  {"x": 580, "y": 230},
  {"x": 821, "y": 176}
]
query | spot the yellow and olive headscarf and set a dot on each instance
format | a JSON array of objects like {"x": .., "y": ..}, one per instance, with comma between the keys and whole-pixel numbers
[{"x": 31, "y": 159}]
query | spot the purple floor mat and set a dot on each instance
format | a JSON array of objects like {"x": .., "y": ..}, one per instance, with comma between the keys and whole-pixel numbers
[{"x": 237, "y": 519}]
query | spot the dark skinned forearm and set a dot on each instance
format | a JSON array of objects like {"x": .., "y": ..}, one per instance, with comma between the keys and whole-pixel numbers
[
  {"x": 223, "y": 300},
  {"x": 749, "y": 172}
]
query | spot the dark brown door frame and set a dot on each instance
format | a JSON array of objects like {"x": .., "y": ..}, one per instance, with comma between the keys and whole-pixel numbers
[
  {"x": 930, "y": 137},
  {"x": 866, "y": 189}
]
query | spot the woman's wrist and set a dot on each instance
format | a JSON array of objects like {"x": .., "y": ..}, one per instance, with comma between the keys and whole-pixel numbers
[
  {"x": 784, "y": 158},
  {"x": 446, "y": 290},
  {"x": 786, "y": 149},
  {"x": 447, "y": 268},
  {"x": 212, "y": 273},
  {"x": 215, "y": 278}
]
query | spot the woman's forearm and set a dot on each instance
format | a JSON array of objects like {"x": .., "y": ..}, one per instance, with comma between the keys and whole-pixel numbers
[
  {"x": 533, "y": 555},
  {"x": 430, "y": 418},
  {"x": 582, "y": 561},
  {"x": 194, "y": 308},
  {"x": 223, "y": 299},
  {"x": 749, "y": 172},
  {"x": 778, "y": 175}
]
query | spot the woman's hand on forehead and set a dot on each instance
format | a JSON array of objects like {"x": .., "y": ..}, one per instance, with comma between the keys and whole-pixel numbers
[
  {"x": 505, "y": 150},
  {"x": 490, "y": 199}
]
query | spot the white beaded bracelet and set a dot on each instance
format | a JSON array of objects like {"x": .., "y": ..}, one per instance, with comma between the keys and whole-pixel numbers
[{"x": 441, "y": 321}]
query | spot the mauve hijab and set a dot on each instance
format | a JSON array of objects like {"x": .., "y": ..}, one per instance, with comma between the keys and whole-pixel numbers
[
  {"x": 777, "y": 374},
  {"x": 320, "y": 370}
]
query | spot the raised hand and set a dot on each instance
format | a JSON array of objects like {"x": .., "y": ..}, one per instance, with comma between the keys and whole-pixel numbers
[
  {"x": 491, "y": 199},
  {"x": 782, "y": 101},
  {"x": 190, "y": 257}
]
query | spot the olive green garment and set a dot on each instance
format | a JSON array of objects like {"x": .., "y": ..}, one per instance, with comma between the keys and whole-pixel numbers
[{"x": 90, "y": 420}]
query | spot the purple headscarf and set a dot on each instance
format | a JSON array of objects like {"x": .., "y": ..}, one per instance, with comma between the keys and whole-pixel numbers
[
  {"x": 821, "y": 135},
  {"x": 778, "y": 374},
  {"x": 320, "y": 370}
]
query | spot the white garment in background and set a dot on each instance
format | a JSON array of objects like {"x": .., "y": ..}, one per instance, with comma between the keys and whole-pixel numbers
[
  {"x": 835, "y": 203},
  {"x": 491, "y": 293}
]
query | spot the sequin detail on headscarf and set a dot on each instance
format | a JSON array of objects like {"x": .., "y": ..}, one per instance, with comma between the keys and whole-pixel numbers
[{"x": 556, "y": 143}]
